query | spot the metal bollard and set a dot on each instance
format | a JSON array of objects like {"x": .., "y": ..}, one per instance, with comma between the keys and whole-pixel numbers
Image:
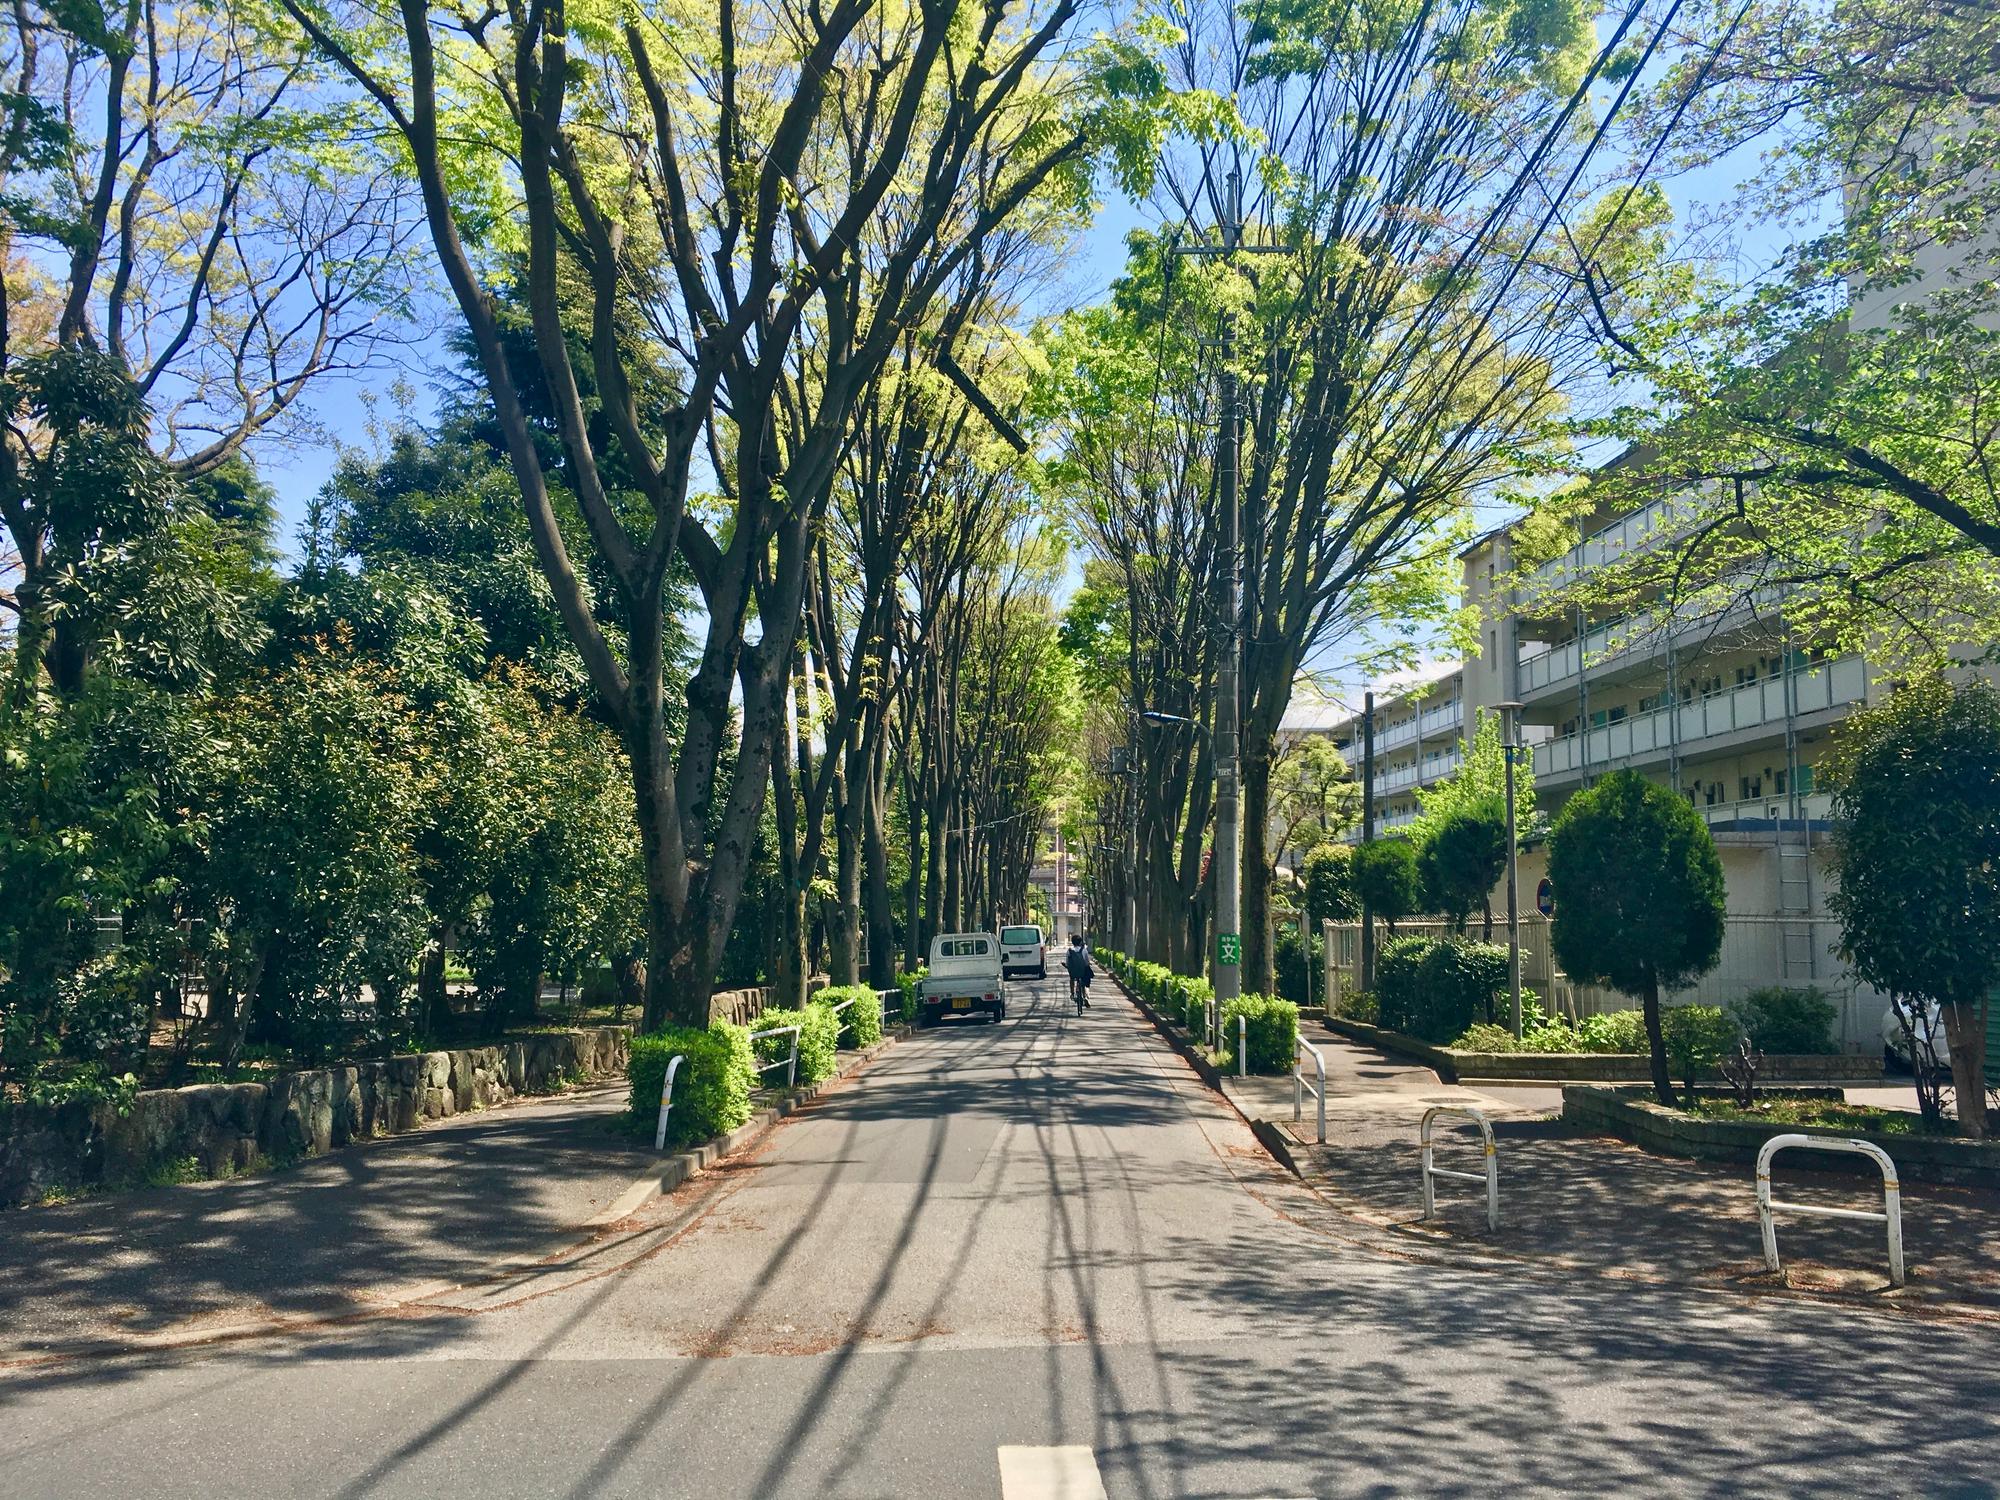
[{"x": 1242, "y": 1046}]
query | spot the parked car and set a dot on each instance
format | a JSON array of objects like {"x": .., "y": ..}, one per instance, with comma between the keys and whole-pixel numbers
[
  {"x": 1022, "y": 950},
  {"x": 964, "y": 978},
  {"x": 1930, "y": 1031}
]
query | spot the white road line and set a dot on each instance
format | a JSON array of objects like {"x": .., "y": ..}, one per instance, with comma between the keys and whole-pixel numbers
[{"x": 1050, "y": 1474}]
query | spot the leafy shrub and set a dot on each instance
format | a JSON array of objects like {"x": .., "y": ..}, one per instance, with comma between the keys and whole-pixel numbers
[
  {"x": 1696, "y": 1037},
  {"x": 1385, "y": 879},
  {"x": 1298, "y": 964},
  {"x": 1398, "y": 970},
  {"x": 711, "y": 1090},
  {"x": 1271, "y": 1029},
  {"x": 1482, "y": 1036},
  {"x": 1614, "y": 1031},
  {"x": 819, "y": 1041},
  {"x": 1361, "y": 1005},
  {"x": 1778, "y": 1019},
  {"x": 861, "y": 1022},
  {"x": 1194, "y": 995},
  {"x": 1455, "y": 985},
  {"x": 911, "y": 984}
]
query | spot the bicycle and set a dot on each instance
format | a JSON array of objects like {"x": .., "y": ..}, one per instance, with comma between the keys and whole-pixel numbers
[{"x": 1079, "y": 993}]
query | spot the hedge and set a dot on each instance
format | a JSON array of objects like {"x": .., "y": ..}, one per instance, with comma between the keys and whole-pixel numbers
[
  {"x": 819, "y": 1041},
  {"x": 861, "y": 1022},
  {"x": 1778, "y": 1019},
  {"x": 1398, "y": 968},
  {"x": 911, "y": 984},
  {"x": 1271, "y": 1033},
  {"x": 1436, "y": 988},
  {"x": 711, "y": 1090}
]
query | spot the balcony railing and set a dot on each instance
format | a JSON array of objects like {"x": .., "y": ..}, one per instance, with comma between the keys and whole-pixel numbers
[
  {"x": 1390, "y": 738},
  {"x": 1443, "y": 719},
  {"x": 1395, "y": 780},
  {"x": 1648, "y": 526},
  {"x": 1748, "y": 707},
  {"x": 1817, "y": 806},
  {"x": 1647, "y": 633}
]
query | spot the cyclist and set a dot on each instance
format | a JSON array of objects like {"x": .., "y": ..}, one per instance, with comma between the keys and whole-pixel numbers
[{"x": 1077, "y": 964}]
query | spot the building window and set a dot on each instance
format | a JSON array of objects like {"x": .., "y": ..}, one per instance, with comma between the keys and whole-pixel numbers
[
  {"x": 1778, "y": 783},
  {"x": 1598, "y": 719},
  {"x": 1751, "y": 787},
  {"x": 1712, "y": 793},
  {"x": 1618, "y": 714},
  {"x": 1805, "y": 779}
]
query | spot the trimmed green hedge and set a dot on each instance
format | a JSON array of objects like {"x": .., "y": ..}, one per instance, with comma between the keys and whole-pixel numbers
[
  {"x": 1435, "y": 989},
  {"x": 911, "y": 985},
  {"x": 861, "y": 1022},
  {"x": 1398, "y": 968},
  {"x": 711, "y": 1090},
  {"x": 819, "y": 1042},
  {"x": 1271, "y": 1033},
  {"x": 1781, "y": 1019}
]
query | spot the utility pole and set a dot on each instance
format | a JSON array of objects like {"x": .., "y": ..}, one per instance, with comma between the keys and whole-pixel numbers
[
  {"x": 1367, "y": 833},
  {"x": 1228, "y": 830},
  {"x": 1510, "y": 745}
]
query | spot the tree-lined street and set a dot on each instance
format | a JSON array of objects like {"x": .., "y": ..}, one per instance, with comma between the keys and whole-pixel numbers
[{"x": 1041, "y": 1234}]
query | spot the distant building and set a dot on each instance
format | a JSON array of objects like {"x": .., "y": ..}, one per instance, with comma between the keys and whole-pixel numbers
[{"x": 1054, "y": 875}]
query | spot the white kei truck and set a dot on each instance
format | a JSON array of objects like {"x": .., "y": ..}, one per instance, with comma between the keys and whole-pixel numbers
[{"x": 964, "y": 979}]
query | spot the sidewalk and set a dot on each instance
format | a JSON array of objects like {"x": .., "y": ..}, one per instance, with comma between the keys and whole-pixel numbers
[{"x": 1595, "y": 1205}]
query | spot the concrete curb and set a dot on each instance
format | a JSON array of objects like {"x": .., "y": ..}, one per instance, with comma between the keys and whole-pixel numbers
[
  {"x": 1268, "y": 1135},
  {"x": 681, "y": 1165}
]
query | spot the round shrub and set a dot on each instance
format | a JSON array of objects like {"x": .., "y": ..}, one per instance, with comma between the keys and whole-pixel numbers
[
  {"x": 711, "y": 1090},
  {"x": 1696, "y": 1037},
  {"x": 1456, "y": 984},
  {"x": 1397, "y": 982},
  {"x": 819, "y": 1042},
  {"x": 1782, "y": 1020},
  {"x": 1271, "y": 1029},
  {"x": 861, "y": 1023}
]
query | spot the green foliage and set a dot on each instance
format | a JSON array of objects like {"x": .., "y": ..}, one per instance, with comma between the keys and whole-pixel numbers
[
  {"x": 861, "y": 1022},
  {"x": 1479, "y": 783},
  {"x": 1613, "y": 1031},
  {"x": 1329, "y": 884},
  {"x": 1639, "y": 892},
  {"x": 1300, "y": 965},
  {"x": 711, "y": 1090},
  {"x": 911, "y": 985},
  {"x": 1362, "y": 1006},
  {"x": 1462, "y": 853},
  {"x": 1386, "y": 880},
  {"x": 1697, "y": 1036},
  {"x": 1398, "y": 982},
  {"x": 1782, "y": 1020},
  {"x": 1622, "y": 1031},
  {"x": 819, "y": 1043},
  {"x": 1192, "y": 995},
  {"x": 1271, "y": 1029}
]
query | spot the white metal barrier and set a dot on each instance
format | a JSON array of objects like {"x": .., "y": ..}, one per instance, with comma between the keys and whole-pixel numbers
[
  {"x": 667, "y": 1099},
  {"x": 1242, "y": 1045},
  {"x": 1491, "y": 1176},
  {"x": 1891, "y": 1216},
  {"x": 791, "y": 1064},
  {"x": 1301, "y": 1049},
  {"x": 1211, "y": 1028}
]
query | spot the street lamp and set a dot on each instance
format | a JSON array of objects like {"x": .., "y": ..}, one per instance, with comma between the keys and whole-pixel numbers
[{"x": 1510, "y": 745}]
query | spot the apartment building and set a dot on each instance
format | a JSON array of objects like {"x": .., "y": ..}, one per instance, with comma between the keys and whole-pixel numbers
[
  {"x": 1732, "y": 712},
  {"x": 1054, "y": 874}
]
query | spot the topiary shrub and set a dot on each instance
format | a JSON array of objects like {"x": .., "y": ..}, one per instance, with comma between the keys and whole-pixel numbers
[
  {"x": 1398, "y": 970},
  {"x": 819, "y": 1042},
  {"x": 1696, "y": 1037},
  {"x": 711, "y": 1090},
  {"x": 911, "y": 984},
  {"x": 1456, "y": 981},
  {"x": 861, "y": 1023},
  {"x": 1271, "y": 1029},
  {"x": 1780, "y": 1020}
]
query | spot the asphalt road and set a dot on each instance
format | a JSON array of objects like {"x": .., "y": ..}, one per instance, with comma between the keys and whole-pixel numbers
[{"x": 1024, "y": 1260}]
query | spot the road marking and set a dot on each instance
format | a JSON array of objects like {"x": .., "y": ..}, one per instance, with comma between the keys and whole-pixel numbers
[{"x": 1050, "y": 1474}]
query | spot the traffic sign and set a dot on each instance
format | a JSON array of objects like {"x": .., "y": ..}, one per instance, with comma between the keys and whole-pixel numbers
[
  {"x": 1229, "y": 948},
  {"x": 1545, "y": 898}
]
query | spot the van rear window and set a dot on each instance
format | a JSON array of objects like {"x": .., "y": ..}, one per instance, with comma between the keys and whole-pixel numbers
[
  {"x": 966, "y": 948},
  {"x": 1020, "y": 937}
]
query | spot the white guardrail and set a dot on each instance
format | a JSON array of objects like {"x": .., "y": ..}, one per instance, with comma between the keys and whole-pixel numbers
[
  {"x": 667, "y": 1099},
  {"x": 1890, "y": 1218},
  {"x": 1301, "y": 1049},
  {"x": 791, "y": 1063},
  {"x": 1242, "y": 1045},
  {"x": 1491, "y": 1176}
]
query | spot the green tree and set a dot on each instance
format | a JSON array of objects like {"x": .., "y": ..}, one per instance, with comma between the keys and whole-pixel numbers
[
  {"x": 1639, "y": 896},
  {"x": 1462, "y": 853},
  {"x": 1917, "y": 851},
  {"x": 1386, "y": 881},
  {"x": 1329, "y": 883}
]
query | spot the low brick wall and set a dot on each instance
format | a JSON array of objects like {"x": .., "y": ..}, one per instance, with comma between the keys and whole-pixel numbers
[
  {"x": 1671, "y": 1133},
  {"x": 228, "y": 1127},
  {"x": 1454, "y": 1066}
]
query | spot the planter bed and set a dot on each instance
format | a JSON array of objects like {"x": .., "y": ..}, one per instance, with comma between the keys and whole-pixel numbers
[
  {"x": 1454, "y": 1066},
  {"x": 1670, "y": 1132}
]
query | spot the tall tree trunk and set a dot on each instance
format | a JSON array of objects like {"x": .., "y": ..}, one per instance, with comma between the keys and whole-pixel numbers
[
  {"x": 844, "y": 927},
  {"x": 1656, "y": 1042},
  {"x": 1259, "y": 969},
  {"x": 788, "y": 957},
  {"x": 875, "y": 860},
  {"x": 1965, "y": 1032},
  {"x": 433, "y": 1001}
]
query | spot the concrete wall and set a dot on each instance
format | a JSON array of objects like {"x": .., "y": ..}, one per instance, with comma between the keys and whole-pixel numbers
[{"x": 227, "y": 1128}]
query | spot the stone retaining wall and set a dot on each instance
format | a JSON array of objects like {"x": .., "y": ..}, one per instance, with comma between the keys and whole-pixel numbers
[
  {"x": 226, "y": 1128},
  {"x": 1454, "y": 1066},
  {"x": 1671, "y": 1133}
]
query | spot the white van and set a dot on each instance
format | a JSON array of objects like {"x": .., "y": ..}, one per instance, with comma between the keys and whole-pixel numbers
[{"x": 1022, "y": 950}]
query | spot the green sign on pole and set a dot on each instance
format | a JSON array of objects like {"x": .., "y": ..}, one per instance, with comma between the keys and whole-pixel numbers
[{"x": 1228, "y": 948}]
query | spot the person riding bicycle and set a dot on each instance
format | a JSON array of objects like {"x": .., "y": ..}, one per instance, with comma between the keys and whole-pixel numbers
[{"x": 1077, "y": 963}]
